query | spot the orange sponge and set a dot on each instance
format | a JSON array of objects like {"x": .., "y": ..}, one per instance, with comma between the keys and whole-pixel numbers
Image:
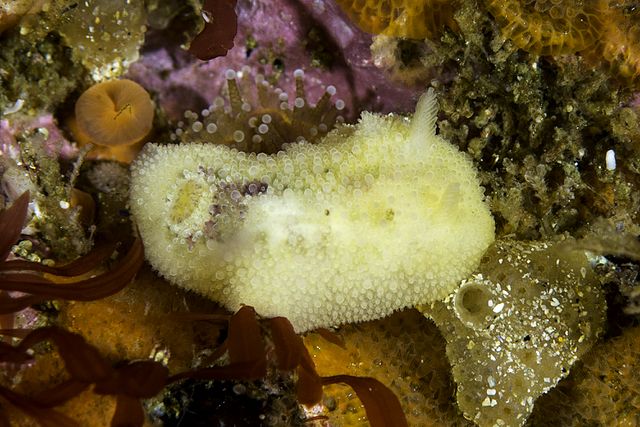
[{"x": 402, "y": 18}]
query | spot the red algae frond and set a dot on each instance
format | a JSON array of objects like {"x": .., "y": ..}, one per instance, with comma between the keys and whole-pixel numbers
[
  {"x": 130, "y": 382},
  {"x": 40, "y": 282},
  {"x": 220, "y": 27},
  {"x": 405, "y": 351},
  {"x": 248, "y": 360},
  {"x": 85, "y": 365}
]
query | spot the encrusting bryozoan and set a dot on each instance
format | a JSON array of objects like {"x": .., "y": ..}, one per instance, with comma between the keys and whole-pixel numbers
[{"x": 375, "y": 217}]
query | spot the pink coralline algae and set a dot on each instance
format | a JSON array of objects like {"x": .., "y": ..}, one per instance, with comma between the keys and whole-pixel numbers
[
  {"x": 276, "y": 37},
  {"x": 55, "y": 143}
]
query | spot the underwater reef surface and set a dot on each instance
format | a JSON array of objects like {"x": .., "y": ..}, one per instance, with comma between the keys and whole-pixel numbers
[{"x": 541, "y": 99}]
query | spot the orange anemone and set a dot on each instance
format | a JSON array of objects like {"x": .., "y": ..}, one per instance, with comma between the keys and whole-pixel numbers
[{"x": 115, "y": 112}]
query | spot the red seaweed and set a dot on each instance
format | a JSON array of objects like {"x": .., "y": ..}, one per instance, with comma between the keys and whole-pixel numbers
[
  {"x": 381, "y": 405},
  {"x": 248, "y": 360},
  {"x": 247, "y": 354},
  {"x": 42, "y": 289},
  {"x": 332, "y": 337},
  {"x": 220, "y": 27},
  {"x": 287, "y": 344},
  {"x": 129, "y": 382},
  {"x": 132, "y": 381},
  {"x": 11, "y": 222},
  {"x": 26, "y": 276}
]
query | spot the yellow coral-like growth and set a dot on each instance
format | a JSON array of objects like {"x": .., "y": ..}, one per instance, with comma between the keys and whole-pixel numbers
[
  {"x": 549, "y": 27},
  {"x": 601, "y": 30},
  {"x": 621, "y": 43},
  {"x": 404, "y": 351},
  {"x": 604, "y": 390},
  {"x": 402, "y": 18}
]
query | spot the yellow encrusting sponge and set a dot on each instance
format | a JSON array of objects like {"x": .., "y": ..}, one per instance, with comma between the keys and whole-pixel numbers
[{"x": 375, "y": 217}]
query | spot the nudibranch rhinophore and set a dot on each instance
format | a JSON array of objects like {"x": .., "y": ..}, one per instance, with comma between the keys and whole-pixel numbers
[{"x": 375, "y": 217}]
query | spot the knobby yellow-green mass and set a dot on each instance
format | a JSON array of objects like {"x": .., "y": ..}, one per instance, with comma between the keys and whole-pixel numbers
[
  {"x": 515, "y": 328},
  {"x": 375, "y": 217}
]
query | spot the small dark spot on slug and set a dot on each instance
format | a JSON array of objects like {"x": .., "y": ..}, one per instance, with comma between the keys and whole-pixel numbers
[
  {"x": 389, "y": 215},
  {"x": 254, "y": 188}
]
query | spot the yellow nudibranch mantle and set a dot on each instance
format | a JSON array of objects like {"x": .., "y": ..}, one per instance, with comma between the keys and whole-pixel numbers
[{"x": 375, "y": 217}]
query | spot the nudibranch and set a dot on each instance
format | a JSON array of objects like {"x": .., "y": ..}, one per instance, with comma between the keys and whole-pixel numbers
[{"x": 374, "y": 217}]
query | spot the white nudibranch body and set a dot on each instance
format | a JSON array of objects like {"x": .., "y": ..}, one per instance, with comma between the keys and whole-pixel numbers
[{"x": 375, "y": 217}]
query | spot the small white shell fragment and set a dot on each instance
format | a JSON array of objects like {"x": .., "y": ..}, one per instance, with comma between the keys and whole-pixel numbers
[
  {"x": 611, "y": 160},
  {"x": 17, "y": 106}
]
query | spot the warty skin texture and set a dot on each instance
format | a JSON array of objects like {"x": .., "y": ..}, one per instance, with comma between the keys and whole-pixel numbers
[{"x": 377, "y": 216}]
